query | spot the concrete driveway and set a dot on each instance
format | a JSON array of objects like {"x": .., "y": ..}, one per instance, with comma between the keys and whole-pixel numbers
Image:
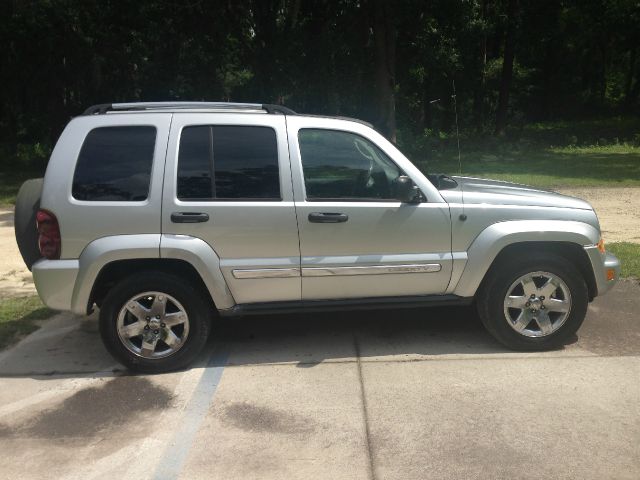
[{"x": 416, "y": 394}]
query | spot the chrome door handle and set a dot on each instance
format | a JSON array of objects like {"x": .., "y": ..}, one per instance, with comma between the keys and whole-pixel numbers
[
  {"x": 189, "y": 217},
  {"x": 328, "y": 217}
]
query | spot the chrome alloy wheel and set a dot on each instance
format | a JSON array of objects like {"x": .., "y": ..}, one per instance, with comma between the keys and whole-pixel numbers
[
  {"x": 537, "y": 304},
  {"x": 153, "y": 325}
]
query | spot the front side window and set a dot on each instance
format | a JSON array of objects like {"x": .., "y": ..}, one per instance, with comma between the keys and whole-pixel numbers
[
  {"x": 217, "y": 162},
  {"x": 115, "y": 164},
  {"x": 345, "y": 166}
]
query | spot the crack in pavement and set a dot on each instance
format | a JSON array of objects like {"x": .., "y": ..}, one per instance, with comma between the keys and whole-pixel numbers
[{"x": 365, "y": 413}]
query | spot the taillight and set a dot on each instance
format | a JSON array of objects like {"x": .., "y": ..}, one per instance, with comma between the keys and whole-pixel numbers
[{"x": 48, "y": 235}]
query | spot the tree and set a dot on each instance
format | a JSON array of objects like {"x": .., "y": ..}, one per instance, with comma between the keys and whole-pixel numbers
[
  {"x": 384, "y": 35},
  {"x": 507, "y": 67}
]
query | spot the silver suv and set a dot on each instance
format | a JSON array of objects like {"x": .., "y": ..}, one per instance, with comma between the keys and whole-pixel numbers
[{"x": 166, "y": 214}]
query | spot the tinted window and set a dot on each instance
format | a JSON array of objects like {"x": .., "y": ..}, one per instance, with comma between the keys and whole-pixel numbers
[
  {"x": 342, "y": 165},
  {"x": 115, "y": 164},
  {"x": 228, "y": 163}
]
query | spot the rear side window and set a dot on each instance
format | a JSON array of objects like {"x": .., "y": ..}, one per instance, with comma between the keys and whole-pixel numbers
[
  {"x": 115, "y": 164},
  {"x": 217, "y": 162}
]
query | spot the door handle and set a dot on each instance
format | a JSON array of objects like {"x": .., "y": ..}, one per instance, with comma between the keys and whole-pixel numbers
[
  {"x": 189, "y": 217},
  {"x": 328, "y": 217}
]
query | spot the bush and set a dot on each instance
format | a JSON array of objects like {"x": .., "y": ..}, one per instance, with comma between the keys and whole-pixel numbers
[{"x": 32, "y": 157}]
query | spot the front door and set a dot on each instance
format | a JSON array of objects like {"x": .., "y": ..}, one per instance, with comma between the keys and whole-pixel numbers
[
  {"x": 228, "y": 182},
  {"x": 356, "y": 239}
]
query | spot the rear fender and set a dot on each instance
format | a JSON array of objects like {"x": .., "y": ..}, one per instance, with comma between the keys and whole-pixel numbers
[
  {"x": 204, "y": 259},
  {"x": 105, "y": 250}
]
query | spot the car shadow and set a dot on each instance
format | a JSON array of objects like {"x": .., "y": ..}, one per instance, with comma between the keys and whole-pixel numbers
[{"x": 70, "y": 346}]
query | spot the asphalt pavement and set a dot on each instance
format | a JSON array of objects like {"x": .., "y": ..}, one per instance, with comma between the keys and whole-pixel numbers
[{"x": 411, "y": 394}]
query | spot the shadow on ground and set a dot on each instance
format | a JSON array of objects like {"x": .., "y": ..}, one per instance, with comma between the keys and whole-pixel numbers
[{"x": 71, "y": 346}]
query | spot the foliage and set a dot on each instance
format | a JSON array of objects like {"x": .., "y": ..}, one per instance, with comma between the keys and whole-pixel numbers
[
  {"x": 19, "y": 317},
  {"x": 572, "y": 58},
  {"x": 629, "y": 255}
]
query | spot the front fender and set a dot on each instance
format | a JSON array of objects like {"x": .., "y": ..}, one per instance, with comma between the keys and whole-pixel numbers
[{"x": 490, "y": 242}]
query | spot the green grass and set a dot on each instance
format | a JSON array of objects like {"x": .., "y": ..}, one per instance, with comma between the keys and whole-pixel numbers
[
  {"x": 549, "y": 167},
  {"x": 629, "y": 255},
  {"x": 589, "y": 153},
  {"x": 19, "y": 317},
  {"x": 10, "y": 182}
]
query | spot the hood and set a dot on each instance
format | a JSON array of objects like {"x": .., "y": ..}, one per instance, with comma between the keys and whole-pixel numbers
[{"x": 494, "y": 192}]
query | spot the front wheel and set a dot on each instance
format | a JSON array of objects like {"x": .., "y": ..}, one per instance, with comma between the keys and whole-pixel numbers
[
  {"x": 535, "y": 303},
  {"x": 154, "y": 322}
]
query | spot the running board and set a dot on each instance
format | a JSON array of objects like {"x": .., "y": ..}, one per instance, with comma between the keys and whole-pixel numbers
[{"x": 345, "y": 304}]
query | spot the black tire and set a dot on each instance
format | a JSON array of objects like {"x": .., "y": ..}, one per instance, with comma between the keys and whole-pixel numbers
[
  {"x": 27, "y": 205},
  {"x": 198, "y": 311},
  {"x": 490, "y": 300}
]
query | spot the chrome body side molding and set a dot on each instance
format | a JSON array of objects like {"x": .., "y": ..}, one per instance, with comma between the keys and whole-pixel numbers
[
  {"x": 370, "y": 270},
  {"x": 266, "y": 273}
]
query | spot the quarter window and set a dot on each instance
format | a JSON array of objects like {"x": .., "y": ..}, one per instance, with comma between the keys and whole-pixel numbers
[
  {"x": 218, "y": 162},
  {"x": 345, "y": 166},
  {"x": 115, "y": 164}
]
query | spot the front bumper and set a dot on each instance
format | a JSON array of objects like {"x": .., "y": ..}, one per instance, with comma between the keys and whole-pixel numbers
[
  {"x": 55, "y": 281},
  {"x": 606, "y": 269}
]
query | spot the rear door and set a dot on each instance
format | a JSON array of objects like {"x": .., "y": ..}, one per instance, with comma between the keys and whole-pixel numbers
[{"x": 228, "y": 182}]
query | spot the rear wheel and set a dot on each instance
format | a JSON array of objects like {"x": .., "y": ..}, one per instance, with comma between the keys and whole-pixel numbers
[
  {"x": 534, "y": 303},
  {"x": 154, "y": 322}
]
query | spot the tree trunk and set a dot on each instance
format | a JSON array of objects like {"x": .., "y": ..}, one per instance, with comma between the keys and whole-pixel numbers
[
  {"x": 427, "y": 113},
  {"x": 478, "y": 94},
  {"x": 629, "y": 79},
  {"x": 384, "y": 35},
  {"x": 507, "y": 67},
  {"x": 265, "y": 29}
]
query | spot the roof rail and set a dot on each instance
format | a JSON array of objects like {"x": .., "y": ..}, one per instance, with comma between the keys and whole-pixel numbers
[{"x": 139, "y": 106}]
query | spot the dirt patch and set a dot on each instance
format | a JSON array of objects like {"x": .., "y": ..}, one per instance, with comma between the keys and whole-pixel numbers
[
  {"x": 618, "y": 210},
  {"x": 15, "y": 278}
]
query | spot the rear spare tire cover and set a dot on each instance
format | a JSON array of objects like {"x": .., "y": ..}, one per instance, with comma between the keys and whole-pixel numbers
[{"x": 27, "y": 205}]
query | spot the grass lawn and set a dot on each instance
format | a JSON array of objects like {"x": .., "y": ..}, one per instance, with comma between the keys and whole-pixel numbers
[
  {"x": 549, "y": 167},
  {"x": 10, "y": 182},
  {"x": 597, "y": 152},
  {"x": 629, "y": 255},
  {"x": 19, "y": 316}
]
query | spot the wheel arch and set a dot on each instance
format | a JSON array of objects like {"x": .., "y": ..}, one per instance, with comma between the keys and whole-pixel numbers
[
  {"x": 571, "y": 251},
  {"x": 117, "y": 270},
  {"x": 497, "y": 243},
  {"x": 109, "y": 258}
]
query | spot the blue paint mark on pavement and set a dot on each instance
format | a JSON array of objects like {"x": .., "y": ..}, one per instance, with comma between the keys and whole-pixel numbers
[{"x": 178, "y": 449}]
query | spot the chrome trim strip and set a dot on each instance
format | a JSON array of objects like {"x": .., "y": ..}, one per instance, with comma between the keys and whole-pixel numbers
[
  {"x": 267, "y": 273},
  {"x": 370, "y": 270}
]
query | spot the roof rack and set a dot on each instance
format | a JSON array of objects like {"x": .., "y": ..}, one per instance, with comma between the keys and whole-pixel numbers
[{"x": 141, "y": 106}]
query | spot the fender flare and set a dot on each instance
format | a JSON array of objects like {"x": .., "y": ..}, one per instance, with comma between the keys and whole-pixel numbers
[
  {"x": 492, "y": 240},
  {"x": 105, "y": 250},
  {"x": 204, "y": 259}
]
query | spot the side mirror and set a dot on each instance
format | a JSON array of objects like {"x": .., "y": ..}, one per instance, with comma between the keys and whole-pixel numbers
[{"x": 406, "y": 190}]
